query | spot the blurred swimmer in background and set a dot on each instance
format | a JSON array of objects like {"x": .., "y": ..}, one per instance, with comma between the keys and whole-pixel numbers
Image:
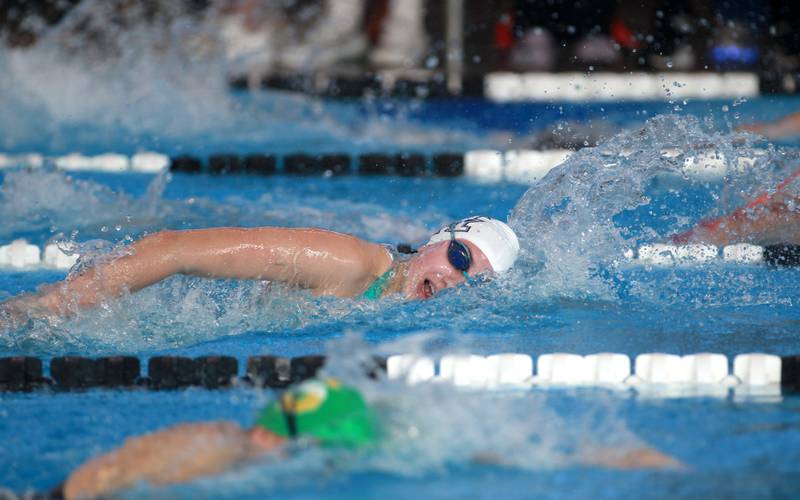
[
  {"x": 788, "y": 126},
  {"x": 324, "y": 262},
  {"x": 770, "y": 218},
  {"x": 317, "y": 412}
]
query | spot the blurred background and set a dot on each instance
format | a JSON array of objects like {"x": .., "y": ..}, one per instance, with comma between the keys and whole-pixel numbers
[{"x": 453, "y": 43}]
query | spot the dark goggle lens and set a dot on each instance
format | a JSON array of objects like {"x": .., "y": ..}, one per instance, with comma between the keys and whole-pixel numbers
[{"x": 458, "y": 255}]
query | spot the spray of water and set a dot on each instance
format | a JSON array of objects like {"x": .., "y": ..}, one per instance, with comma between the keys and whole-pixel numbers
[{"x": 630, "y": 190}]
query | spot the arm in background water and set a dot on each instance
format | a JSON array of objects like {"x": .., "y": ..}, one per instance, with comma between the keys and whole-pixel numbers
[
  {"x": 770, "y": 218},
  {"x": 175, "y": 455},
  {"x": 636, "y": 458},
  {"x": 785, "y": 127},
  {"x": 326, "y": 262}
]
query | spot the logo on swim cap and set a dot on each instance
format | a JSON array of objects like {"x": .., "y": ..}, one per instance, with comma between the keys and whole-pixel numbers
[
  {"x": 325, "y": 410},
  {"x": 493, "y": 237}
]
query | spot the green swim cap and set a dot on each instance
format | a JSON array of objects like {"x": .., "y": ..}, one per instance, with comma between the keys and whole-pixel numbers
[{"x": 325, "y": 410}]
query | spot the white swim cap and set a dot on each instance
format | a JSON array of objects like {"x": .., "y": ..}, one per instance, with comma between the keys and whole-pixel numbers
[{"x": 494, "y": 238}]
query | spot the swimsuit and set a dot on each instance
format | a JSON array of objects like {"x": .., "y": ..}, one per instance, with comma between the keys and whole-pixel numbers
[{"x": 380, "y": 285}]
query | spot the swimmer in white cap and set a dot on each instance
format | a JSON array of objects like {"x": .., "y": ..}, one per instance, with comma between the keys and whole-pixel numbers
[{"x": 325, "y": 262}]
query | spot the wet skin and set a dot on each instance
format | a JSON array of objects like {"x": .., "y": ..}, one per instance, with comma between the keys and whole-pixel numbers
[{"x": 429, "y": 272}]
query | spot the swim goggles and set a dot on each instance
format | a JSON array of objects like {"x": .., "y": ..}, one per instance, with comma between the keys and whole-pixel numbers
[{"x": 458, "y": 255}]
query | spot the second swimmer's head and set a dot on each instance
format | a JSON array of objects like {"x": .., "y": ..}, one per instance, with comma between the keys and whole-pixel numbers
[{"x": 458, "y": 251}]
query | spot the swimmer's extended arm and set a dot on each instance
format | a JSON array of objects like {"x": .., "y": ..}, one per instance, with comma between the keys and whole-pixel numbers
[
  {"x": 173, "y": 455},
  {"x": 635, "y": 458},
  {"x": 785, "y": 127},
  {"x": 767, "y": 220},
  {"x": 324, "y": 261}
]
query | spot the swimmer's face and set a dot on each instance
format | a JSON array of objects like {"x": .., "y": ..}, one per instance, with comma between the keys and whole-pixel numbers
[{"x": 429, "y": 271}]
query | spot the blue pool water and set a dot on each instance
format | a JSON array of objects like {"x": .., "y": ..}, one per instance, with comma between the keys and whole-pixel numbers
[{"x": 571, "y": 292}]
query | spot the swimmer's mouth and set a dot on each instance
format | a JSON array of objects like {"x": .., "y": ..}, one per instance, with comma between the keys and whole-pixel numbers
[{"x": 427, "y": 289}]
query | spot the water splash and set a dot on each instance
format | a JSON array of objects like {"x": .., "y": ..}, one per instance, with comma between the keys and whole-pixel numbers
[
  {"x": 431, "y": 430},
  {"x": 576, "y": 222}
]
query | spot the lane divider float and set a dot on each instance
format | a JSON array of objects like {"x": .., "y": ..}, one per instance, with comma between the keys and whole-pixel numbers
[
  {"x": 664, "y": 255},
  {"x": 702, "y": 374},
  {"x": 521, "y": 166},
  {"x": 23, "y": 256},
  {"x": 607, "y": 86}
]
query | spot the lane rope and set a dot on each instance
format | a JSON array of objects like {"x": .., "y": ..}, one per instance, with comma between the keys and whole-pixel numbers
[
  {"x": 523, "y": 166},
  {"x": 693, "y": 374}
]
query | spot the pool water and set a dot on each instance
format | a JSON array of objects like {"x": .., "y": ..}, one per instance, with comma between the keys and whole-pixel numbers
[{"x": 572, "y": 290}]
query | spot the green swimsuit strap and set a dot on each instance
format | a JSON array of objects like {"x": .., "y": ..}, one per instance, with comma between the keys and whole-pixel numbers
[{"x": 378, "y": 286}]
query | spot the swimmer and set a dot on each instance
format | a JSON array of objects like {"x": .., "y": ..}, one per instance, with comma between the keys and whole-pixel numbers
[
  {"x": 317, "y": 412},
  {"x": 787, "y": 126},
  {"x": 324, "y": 262},
  {"x": 769, "y": 218}
]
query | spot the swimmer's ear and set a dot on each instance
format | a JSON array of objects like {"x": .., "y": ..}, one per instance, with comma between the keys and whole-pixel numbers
[{"x": 405, "y": 248}]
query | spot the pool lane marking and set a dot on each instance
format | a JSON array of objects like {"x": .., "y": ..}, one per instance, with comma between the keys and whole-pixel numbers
[
  {"x": 757, "y": 375},
  {"x": 506, "y": 87},
  {"x": 520, "y": 166}
]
